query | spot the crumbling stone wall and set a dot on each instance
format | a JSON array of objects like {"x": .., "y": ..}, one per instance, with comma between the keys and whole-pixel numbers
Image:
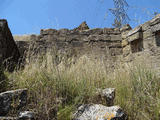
[
  {"x": 82, "y": 40},
  {"x": 142, "y": 38},
  {"x": 78, "y": 41}
]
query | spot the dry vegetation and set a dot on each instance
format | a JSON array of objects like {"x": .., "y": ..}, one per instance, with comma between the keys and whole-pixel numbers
[{"x": 66, "y": 85}]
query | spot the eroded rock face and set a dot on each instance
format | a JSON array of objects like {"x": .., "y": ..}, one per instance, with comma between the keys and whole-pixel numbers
[
  {"x": 9, "y": 53},
  {"x": 12, "y": 99},
  {"x": 99, "y": 112}
]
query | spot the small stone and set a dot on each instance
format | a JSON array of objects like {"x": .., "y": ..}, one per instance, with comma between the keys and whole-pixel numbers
[
  {"x": 26, "y": 115},
  {"x": 108, "y": 94}
]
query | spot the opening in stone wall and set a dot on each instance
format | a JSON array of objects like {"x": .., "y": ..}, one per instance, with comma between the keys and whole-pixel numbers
[
  {"x": 157, "y": 37},
  {"x": 136, "y": 45}
]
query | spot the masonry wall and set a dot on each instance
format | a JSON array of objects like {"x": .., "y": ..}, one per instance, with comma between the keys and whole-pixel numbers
[
  {"x": 145, "y": 37},
  {"x": 99, "y": 42}
]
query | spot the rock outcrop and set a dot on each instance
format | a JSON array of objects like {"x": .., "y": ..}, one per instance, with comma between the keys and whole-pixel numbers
[{"x": 9, "y": 53}]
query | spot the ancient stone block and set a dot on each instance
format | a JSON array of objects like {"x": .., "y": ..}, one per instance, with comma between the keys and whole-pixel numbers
[
  {"x": 147, "y": 33},
  {"x": 126, "y": 50},
  {"x": 63, "y": 31},
  {"x": 99, "y": 38},
  {"x": 9, "y": 53},
  {"x": 115, "y": 31},
  {"x": 97, "y": 31},
  {"x": 135, "y": 36},
  {"x": 149, "y": 43},
  {"x": 48, "y": 31},
  {"x": 146, "y": 26},
  {"x": 155, "y": 28},
  {"x": 125, "y": 43},
  {"x": 124, "y": 35},
  {"x": 155, "y": 20},
  {"x": 115, "y": 37},
  {"x": 134, "y": 31}
]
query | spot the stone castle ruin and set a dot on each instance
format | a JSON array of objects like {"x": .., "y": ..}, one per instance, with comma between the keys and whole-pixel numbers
[
  {"x": 142, "y": 38},
  {"x": 98, "y": 41},
  {"x": 80, "y": 41}
]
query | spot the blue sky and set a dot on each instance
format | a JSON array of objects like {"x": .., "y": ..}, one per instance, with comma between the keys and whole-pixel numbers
[{"x": 29, "y": 16}]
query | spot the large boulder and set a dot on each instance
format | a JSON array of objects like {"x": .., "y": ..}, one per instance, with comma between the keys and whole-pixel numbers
[
  {"x": 99, "y": 112},
  {"x": 9, "y": 53}
]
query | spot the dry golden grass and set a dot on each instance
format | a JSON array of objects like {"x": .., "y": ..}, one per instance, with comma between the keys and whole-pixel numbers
[{"x": 61, "y": 87}]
